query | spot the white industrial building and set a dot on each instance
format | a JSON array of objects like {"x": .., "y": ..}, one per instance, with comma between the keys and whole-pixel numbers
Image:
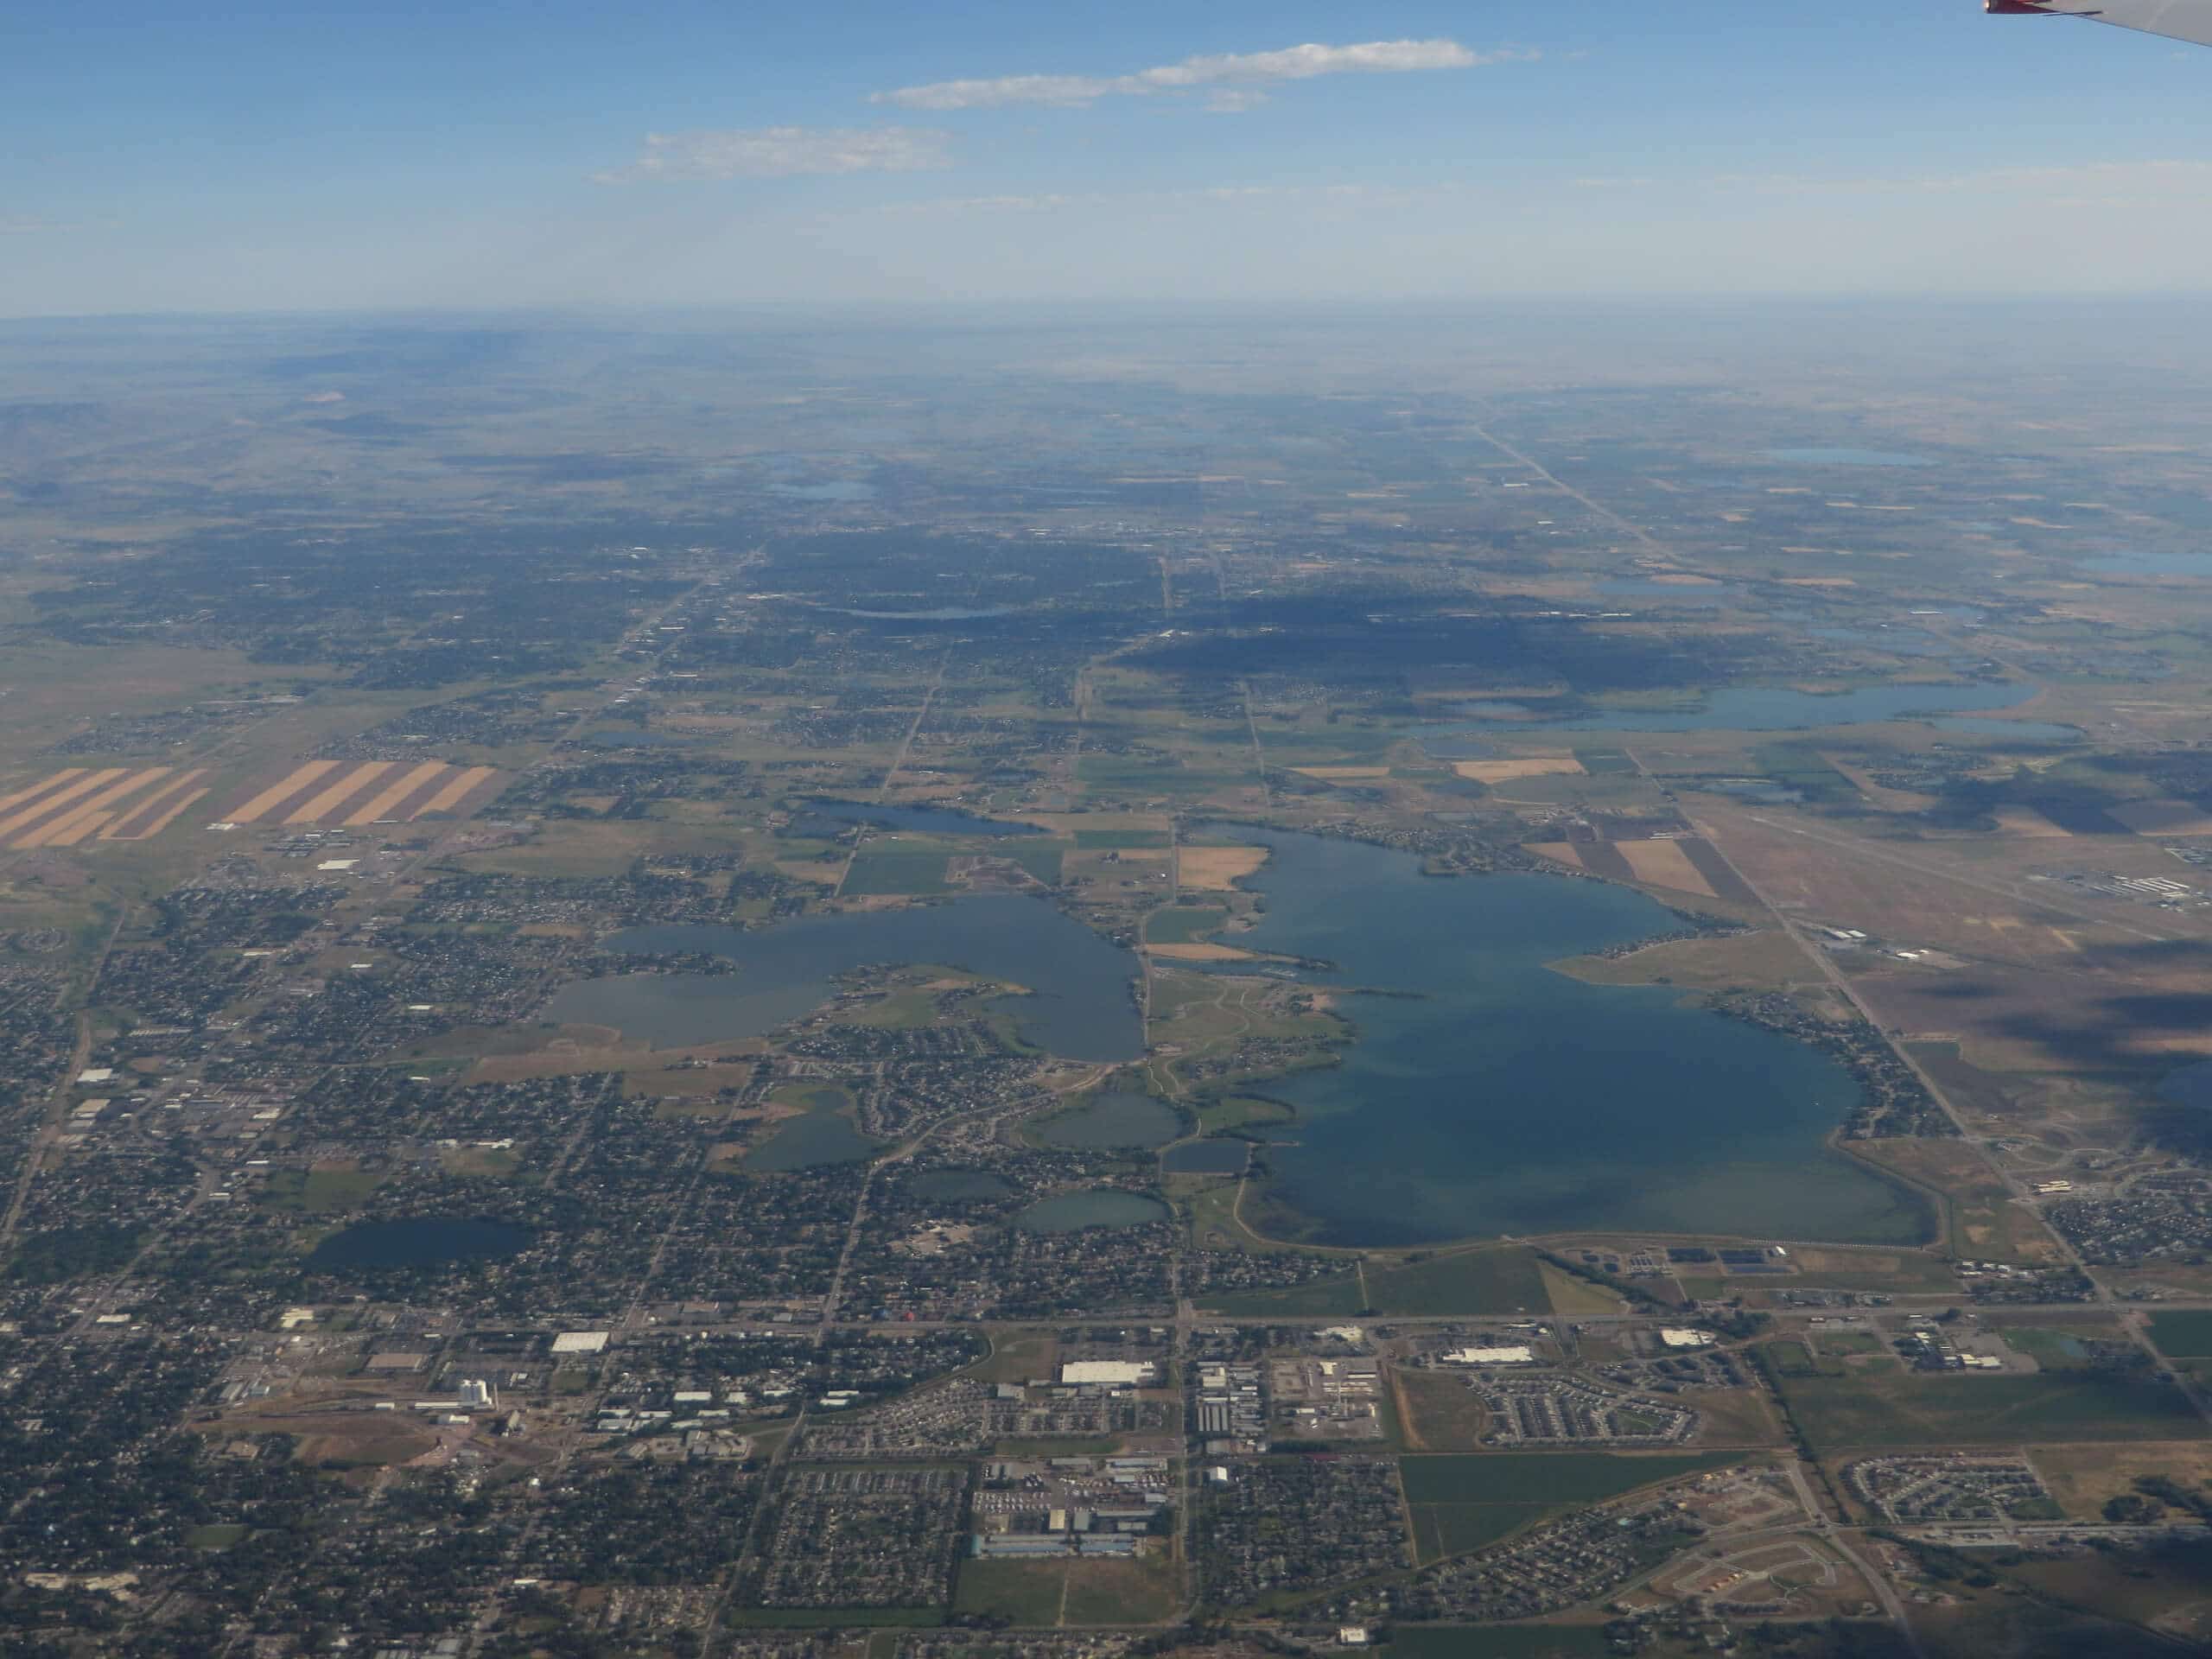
[{"x": 1106, "y": 1373}]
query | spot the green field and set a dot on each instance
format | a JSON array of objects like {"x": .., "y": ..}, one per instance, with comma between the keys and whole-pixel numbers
[
  {"x": 1238, "y": 1111},
  {"x": 1909, "y": 1409},
  {"x": 1042, "y": 860},
  {"x": 1183, "y": 924},
  {"x": 909, "y": 874},
  {"x": 1796, "y": 1359},
  {"x": 319, "y": 1191},
  {"x": 1463, "y": 1503},
  {"x": 1598, "y": 762},
  {"x": 1547, "y": 1478},
  {"x": 1115, "y": 840},
  {"x": 2183, "y": 1335},
  {"x": 2056, "y": 1347},
  {"x": 1801, "y": 767},
  {"x": 1492, "y": 1280},
  {"x": 1022, "y": 1592},
  {"x": 1442, "y": 1529},
  {"x": 1140, "y": 777}
]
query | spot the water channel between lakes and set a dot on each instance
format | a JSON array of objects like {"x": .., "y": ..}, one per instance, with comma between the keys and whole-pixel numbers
[{"x": 1494, "y": 1096}]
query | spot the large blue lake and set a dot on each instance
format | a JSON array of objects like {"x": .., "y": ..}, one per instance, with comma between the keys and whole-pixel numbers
[
  {"x": 1082, "y": 1006},
  {"x": 1502, "y": 1097}
]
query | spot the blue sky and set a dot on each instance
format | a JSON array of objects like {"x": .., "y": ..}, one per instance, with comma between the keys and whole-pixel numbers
[{"x": 176, "y": 155}]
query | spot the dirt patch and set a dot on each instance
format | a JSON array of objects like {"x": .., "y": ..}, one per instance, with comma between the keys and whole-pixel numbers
[
  {"x": 1198, "y": 953},
  {"x": 1506, "y": 771},
  {"x": 2165, "y": 818},
  {"x": 1664, "y": 864},
  {"x": 1216, "y": 869},
  {"x": 2026, "y": 820}
]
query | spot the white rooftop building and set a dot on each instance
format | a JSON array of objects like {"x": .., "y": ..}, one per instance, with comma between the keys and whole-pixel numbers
[{"x": 1112, "y": 1373}]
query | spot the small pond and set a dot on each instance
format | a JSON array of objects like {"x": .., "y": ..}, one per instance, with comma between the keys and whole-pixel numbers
[{"x": 1113, "y": 1119}]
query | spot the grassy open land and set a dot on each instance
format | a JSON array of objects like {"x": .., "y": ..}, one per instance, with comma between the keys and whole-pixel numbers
[
  {"x": 2183, "y": 1335},
  {"x": 1868, "y": 1409},
  {"x": 1738, "y": 1417},
  {"x": 1118, "y": 841},
  {"x": 1232, "y": 1112},
  {"x": 1019, "y": 1356},
  {"x": 1143, "y": 1591},
  {"x": 1183, "y": 924},
  {"x": 1210, "y": 1019},
  {"x": 1767, "y": 960},
  {"x": 1461, "y": 1504},
  {"x": 1021, "y": 1592},
  {"x": 1438, "y": 1411},
  {"x": 1571, "y": 1297},
  {"x": 899, "y": 870},
  {"x": 1141, "y": 777},
  {"x": 328, "y": 1189},
  {"x": 2083, "y": 1478},
  {"x": 1986, "y": 1223},
  {"x": 570, "y": 847},
  {"x": 1901, "y": 1271},
  {"x": 1489, "y": 1279},
  {"x": 2131, "y": 1604},
  {"x": 2052, "y": 1346}
]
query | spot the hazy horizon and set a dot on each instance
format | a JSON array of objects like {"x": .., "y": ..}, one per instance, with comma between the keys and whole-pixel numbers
[{"x": 191, "y": 160}]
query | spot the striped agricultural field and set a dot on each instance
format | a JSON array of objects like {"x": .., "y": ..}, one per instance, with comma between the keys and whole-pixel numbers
[
  {"x": 149, "y": 815},
  {"x": 40, "y": 787},
  {"x": 325, "y": 803},
  {"x": 354, "y": 794},
  {"x": 78, "y": 804},
  {"x": 60, "y": 831},
  {"x": 45, "y": 802},
  {"x": 282, "y": 790},
  {"x": 453, "y": 793},
  {"x": 380, "y": 804}
]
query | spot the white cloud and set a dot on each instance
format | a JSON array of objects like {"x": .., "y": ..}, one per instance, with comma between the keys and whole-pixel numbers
[
  {"x": 25, "y": 224},
  {"x": 783, "y": 152},
  {"x": 1229, "y": 71}
]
